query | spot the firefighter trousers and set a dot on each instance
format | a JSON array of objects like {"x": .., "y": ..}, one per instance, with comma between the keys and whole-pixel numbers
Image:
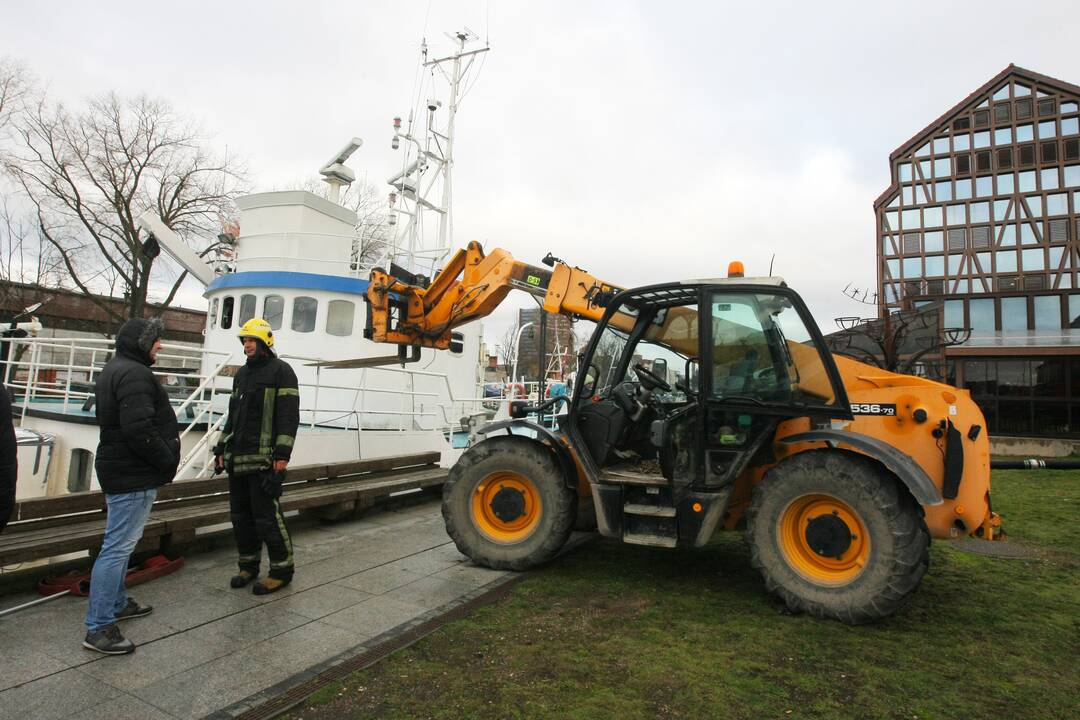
[{"x": 257, "y": 520}]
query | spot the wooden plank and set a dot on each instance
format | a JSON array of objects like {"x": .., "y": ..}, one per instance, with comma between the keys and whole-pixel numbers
[
  {"x": 35, "y": 540},
  {"x": 85, "y": 538},
  {"x": 387, "y": 463}
]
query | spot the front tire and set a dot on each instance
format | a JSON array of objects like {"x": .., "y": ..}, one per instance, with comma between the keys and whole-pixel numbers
[
  {"x": 506, "y": 504},
  {"x": 836, "y": 536}
]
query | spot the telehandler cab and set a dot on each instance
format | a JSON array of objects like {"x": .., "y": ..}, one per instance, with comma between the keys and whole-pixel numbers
[{"x": 703, "y": 405}]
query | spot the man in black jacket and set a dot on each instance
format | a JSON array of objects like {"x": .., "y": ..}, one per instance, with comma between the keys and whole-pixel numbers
[
  {"x": 138, "y": 452},
  {"x": 9, "y": 470},
  {"x": 255, "y": 446}
]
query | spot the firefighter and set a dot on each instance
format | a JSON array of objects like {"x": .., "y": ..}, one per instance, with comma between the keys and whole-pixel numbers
[{"x": 255, "y": 447}]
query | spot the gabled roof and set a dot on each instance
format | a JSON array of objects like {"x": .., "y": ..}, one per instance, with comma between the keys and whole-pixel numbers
[{"x": 1012, "y": 71}]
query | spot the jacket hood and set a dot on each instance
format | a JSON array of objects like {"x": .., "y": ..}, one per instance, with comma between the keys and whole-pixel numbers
[{"x": 137, "y": 336}]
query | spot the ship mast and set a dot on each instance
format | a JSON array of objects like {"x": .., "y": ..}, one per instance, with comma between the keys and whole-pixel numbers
[{"x": 416, "y": 184}]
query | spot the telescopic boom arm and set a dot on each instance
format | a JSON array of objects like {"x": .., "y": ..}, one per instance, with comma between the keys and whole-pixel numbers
[{"x": 407, "y": 311}]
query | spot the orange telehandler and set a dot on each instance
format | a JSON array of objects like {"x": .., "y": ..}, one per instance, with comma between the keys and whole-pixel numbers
[{"x": 700, "y": 405}]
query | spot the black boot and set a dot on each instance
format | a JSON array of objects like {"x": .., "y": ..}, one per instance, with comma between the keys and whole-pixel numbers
[
  {"x": 243, "y": 579},
  {"x": 269, "y": 585}
]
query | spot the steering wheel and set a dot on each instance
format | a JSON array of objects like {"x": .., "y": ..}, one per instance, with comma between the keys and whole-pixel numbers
[{"x": 651, "y": 380}]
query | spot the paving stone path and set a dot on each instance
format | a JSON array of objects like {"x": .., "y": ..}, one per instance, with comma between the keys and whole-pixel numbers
[{"x": 206, "y": 647}]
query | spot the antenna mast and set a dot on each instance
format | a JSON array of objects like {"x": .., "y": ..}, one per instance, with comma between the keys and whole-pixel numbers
[{"x": 415, "y": 185}]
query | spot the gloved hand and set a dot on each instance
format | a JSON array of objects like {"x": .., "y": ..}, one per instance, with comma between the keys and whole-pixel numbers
[
  {"x": 219, "y": 464},
  {"x": 271, "y": 483}
]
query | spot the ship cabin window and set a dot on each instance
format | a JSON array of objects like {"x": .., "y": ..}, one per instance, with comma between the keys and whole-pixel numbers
[
  {"x": 274, "y": 311},
  {"x": 247, "y": 309},
  {"x": 304, "y": 309},
  {"x": 457, "y": 344},
  {"x": 227, "y": 312},
  {"x": 213, "y": 312},
  {"x": 339, "y": 318},
  {"x": 82, "y": 463}
]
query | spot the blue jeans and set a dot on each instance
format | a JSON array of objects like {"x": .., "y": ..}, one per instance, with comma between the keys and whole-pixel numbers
[{"x": 123, "y": 529}]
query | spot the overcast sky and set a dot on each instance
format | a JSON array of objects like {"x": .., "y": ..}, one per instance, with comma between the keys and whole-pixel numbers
[{"x": 643, "y": 141}]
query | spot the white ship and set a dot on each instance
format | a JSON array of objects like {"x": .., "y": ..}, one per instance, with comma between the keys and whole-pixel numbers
[{"x": 295, "y": 262}]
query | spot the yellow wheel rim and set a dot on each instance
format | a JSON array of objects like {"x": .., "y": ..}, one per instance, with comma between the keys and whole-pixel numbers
[
  {"x": 824, "y": 539},
  {"x": 506, "y": 507}
]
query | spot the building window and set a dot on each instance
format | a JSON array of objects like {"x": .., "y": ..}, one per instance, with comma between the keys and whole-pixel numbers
[
  {"x": 1001, "y": 113},
  {"x": 247, "y": 309},
  {"x": 1074, "y": 321},
  {"x": 1047, "y": 107},
  {"x": 933, "y": 239},
  {"x": 963, "y": 164},
  {"x": 1027, "y": 154},
  {"x": 304, "y": 311},
  {"x": 980, "y": 238},
  {"x": 226, "y": 312},
  {"x": 962, "y": 123},
  {"x": 1023, "y": 108},
  {"x": 981, "y": 312},
  {"x": 982, "y": 118},
  {"x": 961, "y": 142},
  {"x": 1072, "y": 149},
  {"x": 1070, "y": 126},
  {"x": 912, "y": 246},
  {"x": 1047, "y": 312},
  {"x": 274, "y": 310},
  {"x": 1004, "y": 158},
  {"x": 1014, "y": 314},
  {"x": 1008, "y": 284},
  {"x": 1034, "y": 282},
  {"x": 957, "y": 239},
  {"x": 1049, "y": 151},
  {"x": 1006, "y": 262},
  {"x": 1058, "y": 231},
  {"x": 339, "y": 318},
  {"x": 1047, "y": 129}
]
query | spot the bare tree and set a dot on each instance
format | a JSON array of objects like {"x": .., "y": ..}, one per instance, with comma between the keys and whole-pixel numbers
[
  {"x": 15, "y": 83},
  {"x": 90, "y": 173},
  {"x": 25, "y": 256}
]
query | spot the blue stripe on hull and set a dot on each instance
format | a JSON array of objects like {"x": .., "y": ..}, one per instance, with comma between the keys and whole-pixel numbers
[{"x": 290, "y": 280}]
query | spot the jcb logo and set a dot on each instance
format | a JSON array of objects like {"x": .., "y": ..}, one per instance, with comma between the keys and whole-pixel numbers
[{"x": 872, "y": 409}]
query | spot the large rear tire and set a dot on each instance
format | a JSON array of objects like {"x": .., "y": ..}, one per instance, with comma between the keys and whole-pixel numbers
[
  {"x": 836, "y": 536},
  {"x": 506, "y": 504}
]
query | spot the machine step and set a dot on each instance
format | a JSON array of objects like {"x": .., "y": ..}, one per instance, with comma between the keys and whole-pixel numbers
[
  {"x": 653, "y": 510},
  {"x": 654, "y": 540}
]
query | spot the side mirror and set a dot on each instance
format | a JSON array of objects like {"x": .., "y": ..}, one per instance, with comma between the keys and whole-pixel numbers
[
  {"x": 589, "y": 386},
  {"x": 692, "y": 374},
  {"x": 659, "y": 368}
]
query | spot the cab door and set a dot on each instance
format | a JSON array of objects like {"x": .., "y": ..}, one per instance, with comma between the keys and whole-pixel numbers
[{"x": 763, "y": 361}]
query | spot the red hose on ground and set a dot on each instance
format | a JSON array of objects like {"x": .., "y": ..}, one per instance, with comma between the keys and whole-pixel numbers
[{"x": 77, "y": 582}]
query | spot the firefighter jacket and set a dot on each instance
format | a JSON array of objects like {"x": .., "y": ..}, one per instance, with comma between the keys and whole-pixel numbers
[{"x": 264, "y": 412}]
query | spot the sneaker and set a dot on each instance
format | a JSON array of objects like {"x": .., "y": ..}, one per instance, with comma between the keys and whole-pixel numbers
[
  {"x": 269, "y": 585},
  {"x": 133, "y": 610},
  {"x": 242, "y": 579},
  {"x": 108, "y": 641}
]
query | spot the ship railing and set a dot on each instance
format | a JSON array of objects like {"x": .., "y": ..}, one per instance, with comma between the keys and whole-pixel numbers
[
  {"x": 438, "y": 410},
  {"x": 64, "y": 370}
]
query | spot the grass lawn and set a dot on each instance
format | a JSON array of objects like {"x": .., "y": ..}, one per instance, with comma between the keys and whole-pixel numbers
[{"x": 616, "y": 631}]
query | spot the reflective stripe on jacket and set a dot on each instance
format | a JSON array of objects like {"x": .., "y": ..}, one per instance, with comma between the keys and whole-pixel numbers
[{"x": 264, "y": 412}]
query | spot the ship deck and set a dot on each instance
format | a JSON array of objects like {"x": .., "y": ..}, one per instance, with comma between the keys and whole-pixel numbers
[{"x": 210, "y": 650}]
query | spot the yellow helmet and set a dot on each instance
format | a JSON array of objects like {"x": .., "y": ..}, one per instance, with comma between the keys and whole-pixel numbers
[{"x": 257, "y": 328}]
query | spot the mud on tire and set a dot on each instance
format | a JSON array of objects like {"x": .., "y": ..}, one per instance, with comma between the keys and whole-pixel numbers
[
  {"x": 532, "y": 465},
  {"x": 892, "y": 564}
]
